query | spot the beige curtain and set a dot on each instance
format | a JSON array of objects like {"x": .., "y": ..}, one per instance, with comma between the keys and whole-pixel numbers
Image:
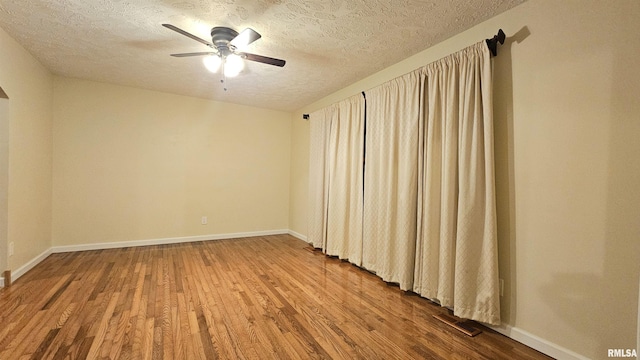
[
  {"x": 337, "y": 134},
  {"x": 320, "y": 127},
  {"x": 456, "y": 248},
  {"x": 428, "y": 221},
  {"x": 394, "y": 117}
]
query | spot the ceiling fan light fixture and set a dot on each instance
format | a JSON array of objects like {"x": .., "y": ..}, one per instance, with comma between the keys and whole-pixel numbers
[
  {"x": 233, "y": 65},
  {"x": 212, "y": 63}
]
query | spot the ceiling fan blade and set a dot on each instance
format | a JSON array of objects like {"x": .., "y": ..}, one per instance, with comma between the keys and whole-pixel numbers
[
  {"x": 194, "y": 54},
  {"x": 246, "y": 37},
  {"x": 180, "y": 31},
  {"x": 263, "y": 59}
]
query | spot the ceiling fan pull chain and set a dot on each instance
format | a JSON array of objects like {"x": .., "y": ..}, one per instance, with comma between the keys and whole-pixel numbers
[{"x": 223, "y": 75}]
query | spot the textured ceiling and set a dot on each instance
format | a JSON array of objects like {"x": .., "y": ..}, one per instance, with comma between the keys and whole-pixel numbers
[{"x": 328, "y": 44}]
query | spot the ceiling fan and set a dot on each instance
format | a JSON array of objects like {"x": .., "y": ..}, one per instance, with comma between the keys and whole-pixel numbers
[{"x": 226, "y": 43}]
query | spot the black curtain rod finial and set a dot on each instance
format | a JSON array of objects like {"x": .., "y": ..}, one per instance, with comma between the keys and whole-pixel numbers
[{"x": 493, "y": 42}]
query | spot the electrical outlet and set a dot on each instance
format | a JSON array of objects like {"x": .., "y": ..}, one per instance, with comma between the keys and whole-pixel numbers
[
  {"x": 204, "y": 220},
  {"x": 501, "y": 287},
  {"x": 11, "y": 248}
]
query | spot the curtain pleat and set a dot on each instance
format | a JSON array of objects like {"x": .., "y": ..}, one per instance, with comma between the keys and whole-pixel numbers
[{"x": 391, "y": 178}]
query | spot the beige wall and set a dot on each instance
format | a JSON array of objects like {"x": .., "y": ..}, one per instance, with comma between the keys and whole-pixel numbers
[
  {"x": 567, "y": 121},
  {"x": 133, "y": 164},
  {"x": 29, "y": 86}
]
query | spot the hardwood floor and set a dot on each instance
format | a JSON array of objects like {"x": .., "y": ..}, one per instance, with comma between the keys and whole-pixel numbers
[{"x": 252, "y": 298}]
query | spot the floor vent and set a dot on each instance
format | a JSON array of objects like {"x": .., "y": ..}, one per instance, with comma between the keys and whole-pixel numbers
[
  {"x": 311, "y": 249},
  {"x": 468, "y": 327}
]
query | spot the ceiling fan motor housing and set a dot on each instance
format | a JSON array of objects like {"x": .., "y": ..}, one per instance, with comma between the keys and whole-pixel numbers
[{"x": 221, "y": 37}]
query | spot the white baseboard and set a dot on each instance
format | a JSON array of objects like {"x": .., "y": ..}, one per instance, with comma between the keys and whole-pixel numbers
[
  {"x": 123, "y": 244},
  {"x": 298, "y": 235},
  {"x": 544, "y": 346},
  {"x": 163, "y": 241},
  {"x": 533, "y": 341},
  {"x": 28, "y": 266}
]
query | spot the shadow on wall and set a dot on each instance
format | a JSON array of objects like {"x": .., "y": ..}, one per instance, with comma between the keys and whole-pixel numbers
[
  {"x": 603, "y": 304},
  {"x": 505, "y": 173},
  {"x": 622, "y": 231}
]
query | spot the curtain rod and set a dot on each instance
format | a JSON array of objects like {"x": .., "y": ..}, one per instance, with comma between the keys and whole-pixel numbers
[
  {"x": 491, "y": 43},
  {"x": 306, "y": 116}
]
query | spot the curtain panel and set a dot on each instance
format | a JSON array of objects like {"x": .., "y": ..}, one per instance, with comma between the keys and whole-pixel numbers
[
  {"x": 320, "y": 126},
  {"x": 425, "y": 215},
  {"x": 456, "y": 243},
  {"x": 336, "y": 179},
  {"x": 394, "y": 121}
]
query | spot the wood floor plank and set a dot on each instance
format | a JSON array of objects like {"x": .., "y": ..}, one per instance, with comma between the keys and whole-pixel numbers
[{"x": 252, "y": 298}]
